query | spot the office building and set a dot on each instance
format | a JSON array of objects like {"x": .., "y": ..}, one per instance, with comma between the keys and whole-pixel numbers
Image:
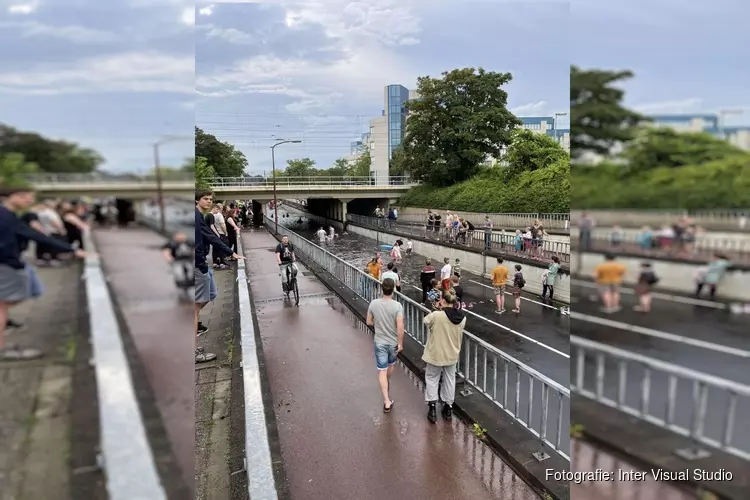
[{"x": 708, "y": 123}]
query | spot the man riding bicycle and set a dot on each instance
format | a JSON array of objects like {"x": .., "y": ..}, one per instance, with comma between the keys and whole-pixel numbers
[{"x": 285, "y": 258}]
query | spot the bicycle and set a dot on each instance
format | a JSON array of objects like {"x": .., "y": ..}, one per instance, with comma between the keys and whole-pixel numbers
[{"x": 291, "y": 281}]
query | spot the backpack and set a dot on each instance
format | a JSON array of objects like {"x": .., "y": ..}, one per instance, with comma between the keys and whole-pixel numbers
[{"x": 520, "y": 281}]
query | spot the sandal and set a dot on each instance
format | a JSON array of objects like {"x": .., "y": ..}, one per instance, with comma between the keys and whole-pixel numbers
[{"x": 387, "y": 409}]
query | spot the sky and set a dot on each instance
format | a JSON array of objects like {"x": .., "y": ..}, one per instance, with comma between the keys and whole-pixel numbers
[
  {"x": 687, "y": 56},
  {"x": 114, "y": 75},
  {"x": 316, "y": 70}
]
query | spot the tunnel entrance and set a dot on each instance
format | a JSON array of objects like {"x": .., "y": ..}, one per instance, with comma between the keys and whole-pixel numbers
[{"x": 125, "y": 211}]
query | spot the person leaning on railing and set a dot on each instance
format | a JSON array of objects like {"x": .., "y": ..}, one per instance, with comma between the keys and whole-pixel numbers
[{"x": 441, "y": 354}]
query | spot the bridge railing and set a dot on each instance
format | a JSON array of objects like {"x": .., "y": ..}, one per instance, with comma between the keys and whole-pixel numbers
[
  {"x": 307, "y": 181},
  {"x": 496, "y": 241},
  {"x": 99, "y": 178},
  {"x": 550, "y": 221},
  {"x": 516, "y": 388},
  {"x": 714, "y": 399},
  {"x": 710, "y": 219}
]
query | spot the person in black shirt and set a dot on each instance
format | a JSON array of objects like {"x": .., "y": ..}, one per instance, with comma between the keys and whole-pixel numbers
[
  {"x": 425, "y": 278},
  {"x": 285, "y": 258},
  {"x": 179, "y": 253}
]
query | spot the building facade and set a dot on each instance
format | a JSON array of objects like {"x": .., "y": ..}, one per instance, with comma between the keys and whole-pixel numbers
[{"x": 739, "y": 136}]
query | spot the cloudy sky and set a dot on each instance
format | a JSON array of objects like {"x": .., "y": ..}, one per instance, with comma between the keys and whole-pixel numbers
[
  {"x": 688, "y": 57},
  {"x": 316, "y": 70},
  {"x": 112, "y": 75}
]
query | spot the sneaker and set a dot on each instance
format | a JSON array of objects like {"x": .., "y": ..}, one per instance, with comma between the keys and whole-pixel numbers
[
  {"x": 12, "y": 353},
  {"x": 13, "y": 324},
  {"x": 202, "y": 328},
  {"x": 432, "y": 413},
  {"x": 517, "y": 311},
  {"x": 285, "y": 287},
  {"x": 501, "y": 311},
  {"x": 202, "y": 356},
  {"x": 447, "y": 412}
]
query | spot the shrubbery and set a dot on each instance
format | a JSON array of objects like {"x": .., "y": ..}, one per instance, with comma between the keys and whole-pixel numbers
[{"x": 543, "y": 190}]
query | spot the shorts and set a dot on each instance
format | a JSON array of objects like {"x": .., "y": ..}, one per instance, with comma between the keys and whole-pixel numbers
[
  {"x": 36, "y": 288},
  {"x": 516, "y": 291},
  {"x": 446, "y": 284},
  {"x": 609, "y": 287},
  {"x": 205, "y": 286},
  {"x": 385, "y": 356},
  {"x": 14, "y": 284},
  {"x": 499, "y": 290}
]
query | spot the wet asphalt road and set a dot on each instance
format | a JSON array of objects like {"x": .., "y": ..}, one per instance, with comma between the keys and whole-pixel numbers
[
  {"x": 537, "y": 337},
  {"x": 709, "y": 340}
]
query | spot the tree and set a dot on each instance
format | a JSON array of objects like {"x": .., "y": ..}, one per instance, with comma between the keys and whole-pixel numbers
[
  {"x": 300, "y": 167},
  {"x": 49, "y": 155},
  {"x": 361, "y": 167},
  {"x": 203, "y": 173},
  {"x": 530, "y": 151},
  {"x": 598, "y": 120},
  {"x": 14, "y": 169},
  {"x": 340, "y": 168},
  {"x": 222, "y": 156},
  {"x": 399, "y": 164},
  {"x": 663, "y": 147},
  {"x": 188, "y": 166},
  {"x": 456, "y": 123}
]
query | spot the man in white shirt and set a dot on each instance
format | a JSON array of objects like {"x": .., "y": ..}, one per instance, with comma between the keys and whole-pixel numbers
[
  {"x": 446, "y": 273},
  {"x": 392, "y": 275},
  {"x": 221, "y": 224},
  {"x": 321, "y": 234}
]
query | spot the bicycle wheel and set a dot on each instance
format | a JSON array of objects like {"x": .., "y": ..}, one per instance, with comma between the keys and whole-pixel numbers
[{"x": 296, "y": 293}]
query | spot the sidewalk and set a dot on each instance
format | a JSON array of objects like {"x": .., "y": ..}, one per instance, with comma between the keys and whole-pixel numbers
[
  {"x": 48, "y": 408},
  {"x": 336, "y": 442},
  {"x": 217, "y": 452}
]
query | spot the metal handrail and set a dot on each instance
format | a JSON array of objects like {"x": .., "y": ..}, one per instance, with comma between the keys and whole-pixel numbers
[
  {"x": 508, "y": 220},
  {"x": 308, "y": 181},
  {"x": 705, "y": 242},
  {"x": 98, "y": 178},
  {"x": 702, "y": 384},
  {"x": 714, "y": 219},
  {"x": 495, "y": 241},
  {"x": 482, "y": 365}
]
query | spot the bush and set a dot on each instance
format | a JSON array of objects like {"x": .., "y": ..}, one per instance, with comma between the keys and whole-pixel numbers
[
  {"x": 713, "y": 185},
  {"x": 544, "y": 190}
]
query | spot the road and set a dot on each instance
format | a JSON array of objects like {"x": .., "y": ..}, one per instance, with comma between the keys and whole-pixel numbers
[{"x": 686, "y": 332}]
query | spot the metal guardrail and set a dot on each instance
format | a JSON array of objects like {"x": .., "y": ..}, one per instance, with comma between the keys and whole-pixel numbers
[
  {"x": 704, "y": 242},
  {"x": 510, "y": 384},
  {"x": 704, "y": 387},
  {"x": 126, "y": 454},
  {"x": 97, "y": 178},
  {"x": 711, "y": 219},
  {"x": 495, "y": 241},
  {"x": 221, "y": 182},
  {"x": 557, "y": 221}
]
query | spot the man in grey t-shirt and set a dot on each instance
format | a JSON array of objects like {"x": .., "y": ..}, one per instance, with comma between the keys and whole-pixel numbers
[{"x": 387, "y": 317}]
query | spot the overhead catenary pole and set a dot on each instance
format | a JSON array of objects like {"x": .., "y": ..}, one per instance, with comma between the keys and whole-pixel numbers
[{"x": 273, "y": 175}]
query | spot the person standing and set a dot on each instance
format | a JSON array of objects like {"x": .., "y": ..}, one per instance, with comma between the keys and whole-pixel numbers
[
  {"x": 488, "y": 227},
  {"x": 551, "y": 275},
  {"x": 441, "y": 354},
  {"x": 609, "y": 275},
  {"x": 714, "y": 273},
  {"x": 586, "y": 228},
  {"x": 646, "y": 281},
  {"x": 518, "y": 283},
  {"x": 425, "y": 279},
  {"x": 446, "y": 273},
  {"x": 391, "y": 273},
  {"x": 233, "y": 228},
  {"x": 499, "y": 280},
  {"x": 386, "y": 316}
]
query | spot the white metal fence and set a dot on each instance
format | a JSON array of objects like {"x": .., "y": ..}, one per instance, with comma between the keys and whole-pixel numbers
[
  {"x": 516, "y": 388},
  {"x": 703, "y": 407},
  {"x": 711, "y": 219},
  {"x": 556, "y": 221},
  {"x": 306, "y": 181}
]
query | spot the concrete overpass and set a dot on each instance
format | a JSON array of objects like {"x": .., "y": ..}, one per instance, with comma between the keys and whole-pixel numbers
[{"x": 129, "y": 187}]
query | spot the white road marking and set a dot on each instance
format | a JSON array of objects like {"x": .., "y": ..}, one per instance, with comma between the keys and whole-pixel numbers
[
  {"x": 663, "y": 296},
  {"x": 522, "y": 297},
  {"x": 510, "y": 330},
  {"x": 661, "y": 335}
]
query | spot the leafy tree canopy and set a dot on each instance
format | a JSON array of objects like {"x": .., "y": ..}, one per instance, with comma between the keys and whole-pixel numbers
[
  {"x": 49, "y": 155},
  {"x": 300, "y": 167},
  {"x": 203, "y": 173},
  {"x": 361, "y": 167},
  {"x": 457, "y": 122},
  {"x": 530, "y": 151},
  {"x": 14, "y": 169},
  {"x": 598, "y": 121},
  {"x": 222, "y": 156}
]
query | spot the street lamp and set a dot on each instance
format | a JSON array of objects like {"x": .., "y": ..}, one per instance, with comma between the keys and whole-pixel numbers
[
  {"x": 273, "y": 170},
  {"x": 554, "y": 124},
  {"x": 722, "y": 114},
  {"x": 157, "y": 171}
]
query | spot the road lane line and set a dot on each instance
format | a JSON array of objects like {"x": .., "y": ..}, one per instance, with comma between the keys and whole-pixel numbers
[
  {"x": 663, "y": 296},
  {"x": 510, "y": 330},
  {"x": 522, "y": 297},
  {"x": 661, "y": 335}
]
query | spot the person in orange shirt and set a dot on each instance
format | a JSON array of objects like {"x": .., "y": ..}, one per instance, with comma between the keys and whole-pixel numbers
[
  {"x": 609, "y": 275},
  {"x": 374, "y": 267},
  {"x": 499, "y": 280}
]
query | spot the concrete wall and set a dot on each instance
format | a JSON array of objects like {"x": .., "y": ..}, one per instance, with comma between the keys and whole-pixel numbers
[
  {"x": 674, "y": 276},
  {"x": 475, "y": 262}
]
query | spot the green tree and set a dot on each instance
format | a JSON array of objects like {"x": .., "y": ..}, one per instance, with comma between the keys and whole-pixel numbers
[
  {"x": 598, "y": 120},
  {"x": 361, "y": 167},
  {"x": 300, "y": 167},
  {"x": 49, "y": 155},
  {"x": 530, "y": 151},
  {"x": 203, "y": 173},
  {"x": 14, "y": 170},
  {"x": 340, "y": 168},
  {"x": 398, "y": 166},
  {"x": 455, "y": 124},
  {"x": 663, "y": 147},
  {"x": 188, "y": 166},
  {"x": 222, "y": 156}
]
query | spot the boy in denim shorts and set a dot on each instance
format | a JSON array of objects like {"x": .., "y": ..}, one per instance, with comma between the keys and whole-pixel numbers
[{"x": 387, "y": 317}]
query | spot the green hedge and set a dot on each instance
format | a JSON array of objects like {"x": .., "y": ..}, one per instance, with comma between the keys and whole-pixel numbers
[
  {"x": 713, "y": 185},
  {"x": 545, "y": 190}
]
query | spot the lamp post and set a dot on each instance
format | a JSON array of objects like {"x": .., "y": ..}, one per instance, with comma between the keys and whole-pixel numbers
[
  {"x": 157, "y": 172},
  {"x": 554, "y": 124},
  {"x": 722, "y": 114},
  {"x": 273, "y": 174}
]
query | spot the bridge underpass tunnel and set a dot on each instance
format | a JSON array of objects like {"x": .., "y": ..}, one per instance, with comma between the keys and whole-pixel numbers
[
  {"x": 125, "y": 211},
  {"x": 337, "y": 209},
  {"x": 258, "y": 212}
]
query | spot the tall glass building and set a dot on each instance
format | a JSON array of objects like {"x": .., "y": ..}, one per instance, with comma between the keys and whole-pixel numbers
[{"x": 396, "y": 97}]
